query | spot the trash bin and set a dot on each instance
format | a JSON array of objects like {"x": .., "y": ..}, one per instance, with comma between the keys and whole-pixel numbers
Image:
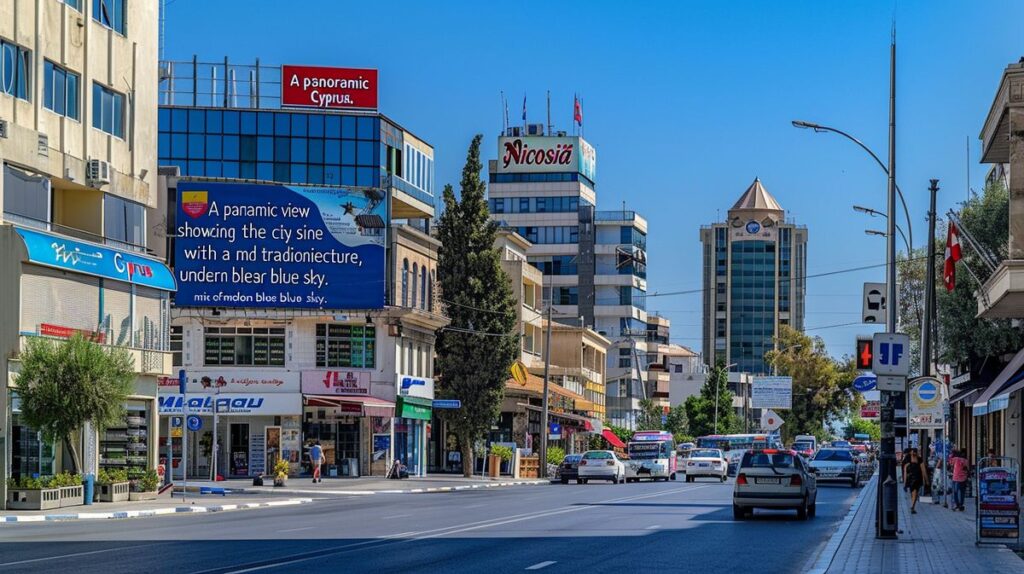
[
  {"x": 89, "y": 484},
  {"x": 353, "y": 467}
]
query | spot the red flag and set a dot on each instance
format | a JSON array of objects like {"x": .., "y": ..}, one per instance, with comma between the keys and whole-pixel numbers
[
  {"x": 953, "y": 254},
  {"x": 577, "y": 110}
]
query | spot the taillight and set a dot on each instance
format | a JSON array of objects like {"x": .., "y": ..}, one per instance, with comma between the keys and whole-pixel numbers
[
  {"x": 741, "y": 479},
  {"x": 795, "y": 480},
  {"x": 583, "y": 463}
]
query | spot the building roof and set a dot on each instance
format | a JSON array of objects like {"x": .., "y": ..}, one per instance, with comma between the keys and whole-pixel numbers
[{"x": 757, "y": 197}]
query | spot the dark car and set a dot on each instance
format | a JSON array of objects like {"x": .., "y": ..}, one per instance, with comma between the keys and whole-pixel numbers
[{"x": 569, "y": 469}]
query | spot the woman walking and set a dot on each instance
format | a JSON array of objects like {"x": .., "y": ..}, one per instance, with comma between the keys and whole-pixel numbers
[
  {"x": 960, "y": 472},
  {"x": 916, "y": 476}
]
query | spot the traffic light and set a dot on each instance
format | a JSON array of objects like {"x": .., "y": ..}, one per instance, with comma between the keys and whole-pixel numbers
[{"x": 864, "y": 354}]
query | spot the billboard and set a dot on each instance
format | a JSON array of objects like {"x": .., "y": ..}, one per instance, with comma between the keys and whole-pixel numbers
[
  {"x": 772, "y": 393},
  {"x": 320, "y": 87},
  {"x": 252, "y": 245},
  {"x": 547, "y": 155},
  {"x": 926, "y": 397}
]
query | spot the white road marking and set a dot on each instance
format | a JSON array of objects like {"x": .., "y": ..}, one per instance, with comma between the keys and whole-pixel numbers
[
  {"x": 540, "y": 565},
  {"x": 119, "y": 548},
  {"x": 653, "y": 527},
  {"x": 396, "y": 516},
  {"x": 298, "y": 529}
]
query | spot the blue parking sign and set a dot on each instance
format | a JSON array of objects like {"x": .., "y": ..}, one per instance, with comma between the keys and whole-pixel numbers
[{"x": 194, "y": 423}]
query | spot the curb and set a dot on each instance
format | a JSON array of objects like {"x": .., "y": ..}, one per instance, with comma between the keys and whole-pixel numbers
[
  {"x": 392, "y": 491},
  {"x": 823, "y": 561},
  {"x": 121, "y": 514}
]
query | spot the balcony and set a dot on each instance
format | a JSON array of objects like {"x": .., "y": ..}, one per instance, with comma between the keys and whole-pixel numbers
[{"x": 146, "y": 361}]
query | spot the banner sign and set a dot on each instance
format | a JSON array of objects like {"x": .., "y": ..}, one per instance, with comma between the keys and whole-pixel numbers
[
  {"x": 233, "y": 404},
  {"x": 772, "y": 393},
  {"x": 998, "y": 501},
  {"x": 336, "y": 382},
  {"x": 926, "y": 396},
  {"x": 79, "y": 256},
  {"x": 210, "y": 381},
  {"x": 320, "y": 87},
  {"x": 422, "y": 387},
  {"x": 566, "y": 154},
  {"x": 250, "y": 245},
  {"x": 870, "y": 409}
]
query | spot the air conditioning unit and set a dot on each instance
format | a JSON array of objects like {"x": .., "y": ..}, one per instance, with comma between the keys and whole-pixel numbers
[
  {"x": 514, "y": 131},
  {"x": 97, "y": 172},
  {"x": 3, "y": 128},
  {"x": 535, "y": 129}
]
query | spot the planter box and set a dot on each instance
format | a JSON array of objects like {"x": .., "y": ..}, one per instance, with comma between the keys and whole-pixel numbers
[
  {"x": 45, "y": 499},
  {"x": 134, "y": 496},
  {"x": 116, "y": 492},
  {"x": 72, "y": 495}
]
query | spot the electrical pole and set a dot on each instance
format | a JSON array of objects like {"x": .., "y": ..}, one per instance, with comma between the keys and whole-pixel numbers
[
  {"x": 543, "y": 466},
  {"x": 929, "y": 288},
  {"x": 886, "y": 523}
]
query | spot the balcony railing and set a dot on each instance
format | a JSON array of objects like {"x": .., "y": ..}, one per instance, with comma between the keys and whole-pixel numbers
[{"x": 74, "y": 232}]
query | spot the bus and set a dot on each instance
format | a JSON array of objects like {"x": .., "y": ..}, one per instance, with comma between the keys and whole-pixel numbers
[
  {"x": 734, "y": 445},
  {"x": 652, "y": 454}
]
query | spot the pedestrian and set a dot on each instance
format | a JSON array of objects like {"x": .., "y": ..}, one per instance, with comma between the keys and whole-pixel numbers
[
  {"x": 915, "y": 477},
  {"x": 960, "y": 471},
  {"x": 904, "y": 461},
  {"x": 316, "y": 458},
  {"x": 991, "y": 460}
]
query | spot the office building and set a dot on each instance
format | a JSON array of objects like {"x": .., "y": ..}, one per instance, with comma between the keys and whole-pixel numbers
[
  {"x": 77, "y": 143},
  {"x": 755, "y": 263}
]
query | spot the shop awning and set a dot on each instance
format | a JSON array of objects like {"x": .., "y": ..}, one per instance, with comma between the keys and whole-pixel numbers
[
  {"x": 981, "y": 405},
  {"x": 365, "y": 406},
  {"x": 584, "y": 422},
  {"x": 415, "y": 408},
  {"x": 967, "y": 395},
  {"x": 612, "y": 439}
]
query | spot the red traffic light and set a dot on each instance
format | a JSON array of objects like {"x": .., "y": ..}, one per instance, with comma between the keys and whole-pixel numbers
[{"x": 864, "y": 354}]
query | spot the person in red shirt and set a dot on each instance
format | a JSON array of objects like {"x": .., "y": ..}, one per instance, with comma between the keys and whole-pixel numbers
[{"x": 961, "y": 469}]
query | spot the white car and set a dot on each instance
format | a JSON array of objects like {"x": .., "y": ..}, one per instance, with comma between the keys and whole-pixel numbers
[
  {"x": 709, "y": 462},
  {"x": 601, "y": 465},
  {"x": 774, "y": 479}
]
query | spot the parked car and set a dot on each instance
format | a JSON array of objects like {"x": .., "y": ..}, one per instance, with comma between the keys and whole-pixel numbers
[
  {"x": 804, "y": 448},
  {"x": 771, "y": 478},
  {"x": 841, "y": 465},
  {"x": 569, "y": 469},
  {"x": 601, "y": 465},
  {"x": 708, "y": 462}
]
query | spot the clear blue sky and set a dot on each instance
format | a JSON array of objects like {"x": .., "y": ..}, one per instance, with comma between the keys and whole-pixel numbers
[{"x": 686, "y": 102}]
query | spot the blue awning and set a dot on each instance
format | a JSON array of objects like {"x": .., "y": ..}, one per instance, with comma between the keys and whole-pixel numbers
[
  {"x": 61, "y": 252},
  {"x": 988, "y": 402}
]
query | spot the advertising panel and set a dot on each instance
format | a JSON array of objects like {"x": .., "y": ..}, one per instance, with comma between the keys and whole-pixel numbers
[
  {"x": 336, "y": 382},
  {"x": 233, "y": 404},
  {"x": 752, "y": 229},
  {"x": 998, "y": 505},
  {"x": 870, "y": 409},
  {"x": 234, "y": 381},
  {"x": 250, "y": 245},
  {"x": 772, "y": 393},
  {"x": 321, "y": 87},
  {"x": 547, "y": 155},
  {"x": 927, "y": 395},
  {"x": 422, "y": 387}
]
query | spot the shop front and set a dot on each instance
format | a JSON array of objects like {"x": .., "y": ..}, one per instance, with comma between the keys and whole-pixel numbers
[
  {"x": 413, "y": 413},
  {"x": 352, "y": 427},
  {"x": 240, "y": 434}
]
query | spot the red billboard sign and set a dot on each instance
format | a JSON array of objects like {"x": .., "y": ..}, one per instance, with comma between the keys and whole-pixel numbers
[{"x": 320, "y": 87}]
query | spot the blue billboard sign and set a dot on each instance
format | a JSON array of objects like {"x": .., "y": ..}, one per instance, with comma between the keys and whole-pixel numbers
[
  {"x": 252, "y": 245},
  {"x": 865, "y": 383},
  {"x": 63, "y": 253}
]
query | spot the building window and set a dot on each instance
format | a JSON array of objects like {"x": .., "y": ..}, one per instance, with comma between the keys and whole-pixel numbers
[
  {"x": 76, "y": 4},
  {"x": 107, "y": 110},
  {"x": 60, "y": 90},
  {"x": 110, "y": 13},
  {"x": 430, "y": 291},
  {"x": 15, "y": 64},
  {"x": 415, "y": 273},
  {"x": 176, "y": 345},
  {"x": 405, "y": 283},
  {"x": 348, "y": 346},
  {"x": 124, "y": 220},
  {"x": 423, "y": 287},
  {"x": 244, "y": 346}
]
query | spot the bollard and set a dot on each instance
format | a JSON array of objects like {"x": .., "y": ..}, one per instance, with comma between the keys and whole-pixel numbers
[{"x": 89, "y": 487}]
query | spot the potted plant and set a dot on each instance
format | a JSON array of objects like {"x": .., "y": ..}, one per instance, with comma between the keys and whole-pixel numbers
[
  {"x": 499, "y": 454},
  {"x": 72, "y": 493},
  {"x": 29, "y": 493},
  {"x": 281, "y": 468},
  {"x": 145, "y": 488},
  {"x": 112, "y": 485}
]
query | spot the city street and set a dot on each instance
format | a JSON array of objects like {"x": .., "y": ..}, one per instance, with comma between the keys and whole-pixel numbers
[{"x": 597, "y": 527}]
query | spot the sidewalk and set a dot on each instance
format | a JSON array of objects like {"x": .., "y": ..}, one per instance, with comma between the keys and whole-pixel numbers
[
  {"x": 935, "y": 539},
  {"x": 359, "y": 486},
  {"x": 108, "y": 511}
]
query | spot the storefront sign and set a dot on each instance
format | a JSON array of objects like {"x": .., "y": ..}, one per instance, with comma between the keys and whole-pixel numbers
[
  {"x": 63, "y": 332},
  {"x": 566, "y": 154},
  {"x": 272, "y": 246},
  {"x": 926, "y": 396},
  {"x": 351, "y": 382},
  {"x": 320, "y": 87},
  {"x": 414, "y": 408},
  {"x": 772, "y": 393},
  {"x": 233, "y": 404},
  {"x": 998, "y": 504},
  {"x": 208, "y": 381},
  {"x": 56, "y": 251},
  {"x": 422, "y": 387},
  {"x": 870, "y": 409}
]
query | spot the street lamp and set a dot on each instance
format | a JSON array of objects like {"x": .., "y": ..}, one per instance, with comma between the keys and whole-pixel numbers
[
  {"x": 883, "y": 234},
  {"x": 717, "y": 393},
  {"x": 875, "y": 212},
  {"x": 818, "y": 128}
]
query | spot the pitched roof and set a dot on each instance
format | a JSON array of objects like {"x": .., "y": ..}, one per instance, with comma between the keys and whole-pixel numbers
[{"x": 757, "y": 197}]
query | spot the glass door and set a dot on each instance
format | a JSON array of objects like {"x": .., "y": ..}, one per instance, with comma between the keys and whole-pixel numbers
[{"x": 238, "y": 447}]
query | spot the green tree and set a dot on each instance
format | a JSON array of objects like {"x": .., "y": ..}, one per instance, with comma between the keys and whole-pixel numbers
[
  {"x": 650, "y": 416},
  {"x": 677, "y": 423},
  {"x": 858, "y": 425},
  {"x": 822, "y": 386},
  {"x": 911, "y": 272},
  {"x": 700, "y": 409},
  {"x": 475, "y": 352},
  {"x": 65, "y": 384}
]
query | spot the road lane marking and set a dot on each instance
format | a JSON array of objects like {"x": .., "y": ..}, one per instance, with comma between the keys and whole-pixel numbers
[
  {"x": 395, "y": 516},
  {"x": 653, "y": 527},
  {"x": 540, "y": 565},
  {"x": 76, "y": 554},
  {"x": 298, "y": 529}
]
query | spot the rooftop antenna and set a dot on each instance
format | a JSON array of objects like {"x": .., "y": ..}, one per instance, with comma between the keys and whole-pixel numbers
[
  {"x": 967, "y": 139},
  {"x": 504, "y": 118},
  {"x": 550, "y": 130}
]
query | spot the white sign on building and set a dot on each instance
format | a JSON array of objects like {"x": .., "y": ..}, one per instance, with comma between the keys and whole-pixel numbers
[{"x": 772, "y": 393}]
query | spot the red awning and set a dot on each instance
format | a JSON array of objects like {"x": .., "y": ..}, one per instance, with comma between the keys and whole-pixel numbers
[
  {"x": 612, "y": 439},
  {"x": 365, "y": 406}
]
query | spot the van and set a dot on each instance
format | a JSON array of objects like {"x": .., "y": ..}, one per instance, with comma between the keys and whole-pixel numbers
[{"x": 807, "y": 438}]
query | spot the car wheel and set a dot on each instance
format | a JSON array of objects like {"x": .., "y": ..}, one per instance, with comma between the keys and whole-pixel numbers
[
  {"x": 673, "y": 477},
  {"x": 723, "y": 478},
  {"x": 689, "y": 478},
  {"x": 564, "y": 481},
  {"x": 801, "y": 512},
  {"x": 854, "y": 483},
  {"x": 738, "y": 513},
  {"x": 585, "y": 480},
  {"x": 579, "y": 481},
  {"x": 813, "y": 510}
]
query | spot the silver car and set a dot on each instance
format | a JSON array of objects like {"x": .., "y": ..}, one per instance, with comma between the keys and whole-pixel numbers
[
  {"x": 776, "y": 479},
  {"x": 840, "y": 465}
]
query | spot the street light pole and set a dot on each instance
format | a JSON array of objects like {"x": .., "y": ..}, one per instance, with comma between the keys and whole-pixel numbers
[{"x": 543, "y": 467}]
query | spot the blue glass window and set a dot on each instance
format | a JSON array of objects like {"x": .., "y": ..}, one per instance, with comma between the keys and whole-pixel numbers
[
  {"x": 316, "y": 151},
  {"x": 299, "y": 173},
  {"x": 230, "y": 122},
  {"x": 282, "y": 124},
  {"x": 348, "y": 127},
  {"x": 213, "y": 147},
  {"x": 299, "y": 124},
  {"x": 299, "y": 150},
  {"x": 196, "y": 168},
  {"x": 249, "y": 123},
  {"x": 163, "y": 146},
  {"x": 282, "y": 149},
  {"x": 107, "y": 110},
  {"x": 231, "y": 147},
  {"x": 60, "y": 90},
  {"x": 196, "y": 120},
  {"x": 364, "y": 176},
  {"x": 231, "y": 169},
  {"x": 163, "y": 119},
  {"x": 315, "y": 174},
  {"x": 179, "y": 146},
  {"x": 215, "y": 121},
  {"x": 367, "y": 128},
  {"x": 265, "y": 170},
  {"x": 264, "y": 149},
  {"x": 365, "y": 154},
  {"x": 332, "y": 151},
  {"x": 266, "y": 123},
  {"x": 247, "y": 148},
  {"x": 332, "y": 175},
  {"x": 110, "y": 13},
  {"x": 348, "y": 175},
  {"x": 316, "y": 125},
  {"x": 332, "y": 127},
  {"x": 282, "y": 172},
  {"x": 247, "y": 170},
  {"x": 195, "y": 146},
  {"x": 213, "y": 169},
  {"x": 348, "y": 152}
]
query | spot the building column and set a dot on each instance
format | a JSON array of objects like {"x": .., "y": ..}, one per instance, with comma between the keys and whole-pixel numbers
[{"x": 1016, "y": 183}]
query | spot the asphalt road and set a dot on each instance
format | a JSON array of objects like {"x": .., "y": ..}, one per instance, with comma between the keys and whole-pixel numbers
[{"x": 673, "y": 526}]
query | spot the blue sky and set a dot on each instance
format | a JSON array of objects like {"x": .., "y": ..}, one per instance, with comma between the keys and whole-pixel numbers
[{"x": 686, "y": 102}]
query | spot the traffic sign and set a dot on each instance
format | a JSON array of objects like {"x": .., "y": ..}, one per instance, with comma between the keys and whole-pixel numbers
[
  {"x": 194, "y": 423},
  {"x": 447, "y": 404},
  {"x": 554, "y": 431},
  {"x": 864, "y": 353},
  {"x": 891, "y": 355},
  {"x": 176, "y": 421},
  {"x": 770, "y": 420},
  {"x": 874, "y": 303},
  {"x": 865, "y": 383}
]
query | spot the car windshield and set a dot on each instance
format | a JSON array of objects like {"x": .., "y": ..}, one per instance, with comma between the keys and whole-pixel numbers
[
  {"x": 841, "y": 444},
  {"x": 572, "y": 458},
  {"x": 597, "y": 454},
  {"x": 834, "y": 454},
  {"x": 767, "y": 460},
  {"x": 802, "y": 446},
  {"x": 706, "y": 454}
]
